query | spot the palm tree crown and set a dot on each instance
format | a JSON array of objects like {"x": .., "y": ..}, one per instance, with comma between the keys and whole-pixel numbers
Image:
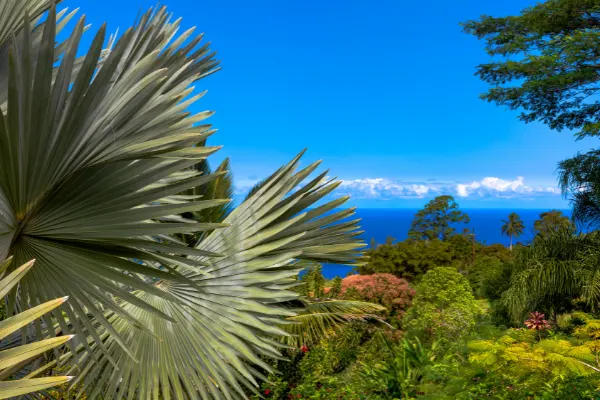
[{"x": 513, "y": 227}]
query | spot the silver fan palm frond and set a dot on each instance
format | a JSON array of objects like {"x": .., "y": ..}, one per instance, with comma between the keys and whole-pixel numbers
[
  {"x": 95, "y": 153},
  {"x": 231, "y": 314},
  {"x": 87, "y": 160}
]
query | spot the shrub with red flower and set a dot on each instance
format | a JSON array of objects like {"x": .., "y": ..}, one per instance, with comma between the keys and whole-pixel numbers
[
  {"x": 386, "y": 289},
  {"x": 537, "y": 322},
  {"x": 267, "y": 392}
]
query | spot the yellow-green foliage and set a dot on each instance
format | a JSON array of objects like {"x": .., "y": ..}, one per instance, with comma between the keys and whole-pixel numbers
[{"x": 517, "y": 354}]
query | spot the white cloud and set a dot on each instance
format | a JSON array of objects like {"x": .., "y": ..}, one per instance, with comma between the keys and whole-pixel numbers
[
  {"x": 491, "y": 185},
  {"x": 243, "y": 186},
  {"x": 385, "y": 189}
]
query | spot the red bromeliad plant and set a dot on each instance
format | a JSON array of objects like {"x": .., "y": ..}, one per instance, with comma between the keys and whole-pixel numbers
[{"x": 537, "y": 322}]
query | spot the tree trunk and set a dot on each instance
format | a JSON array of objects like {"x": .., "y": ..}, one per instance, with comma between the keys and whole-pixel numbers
[{"x": 510, "y": 248}]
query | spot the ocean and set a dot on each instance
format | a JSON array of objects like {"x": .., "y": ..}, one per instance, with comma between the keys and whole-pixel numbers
[{"x": 380, "y": 223}]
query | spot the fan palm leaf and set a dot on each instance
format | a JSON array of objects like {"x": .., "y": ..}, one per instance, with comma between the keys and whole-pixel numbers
[
  {"x": 232, "y": 313},
  {"x": 111, "y": 145},
  {"x": 15, "y": 358},
  {"x": 94, "y": 156}
]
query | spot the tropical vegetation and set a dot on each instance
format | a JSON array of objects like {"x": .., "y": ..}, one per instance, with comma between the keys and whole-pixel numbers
[{"x": 107, "y": 198}]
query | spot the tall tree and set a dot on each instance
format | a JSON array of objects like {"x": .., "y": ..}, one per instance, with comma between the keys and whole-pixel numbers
[
  {"x": 513, "y": 226},
  {"x": 552, "y": 221},
  {"x": 435, "y": 220},
  {"x": 549, "y": 69},
  {"x": 550, "y": 66}
]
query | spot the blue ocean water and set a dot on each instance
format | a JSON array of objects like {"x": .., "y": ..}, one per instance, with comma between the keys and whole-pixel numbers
[{"x": 379, "y": 223}]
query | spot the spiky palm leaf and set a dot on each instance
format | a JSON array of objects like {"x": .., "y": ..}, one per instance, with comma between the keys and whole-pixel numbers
[
  {"x": 15, "y": 358},
  {"x": 317, "y": 319},
  {"x": 231, "y": 314},
  {"x": 93, "y": 158}
]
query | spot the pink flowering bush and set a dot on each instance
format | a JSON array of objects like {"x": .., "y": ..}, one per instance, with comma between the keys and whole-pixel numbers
[{"x": 386, "y": 289}]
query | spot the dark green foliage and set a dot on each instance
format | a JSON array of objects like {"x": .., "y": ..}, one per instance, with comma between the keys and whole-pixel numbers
[
  {"x": 550, "y": 65},
  {"x": 219, "y": 188},
  {"x": 400, "y": 373},
  {"x": 552, "y": 221},
  {"x": 312, "y": 282},
  {"x": 336, "y": 287},
  {"x": 495, "y": 250},
  {"x": 413, "y": 258},
  {"x": 463, "y": 249},
  {"x": 409, "y": 259},
  {"x": 483, "y": 274},
  {"x": 436, "y": 219},
  {"x": 495, "y": 281},
  {"x": 579, "y": 178}
]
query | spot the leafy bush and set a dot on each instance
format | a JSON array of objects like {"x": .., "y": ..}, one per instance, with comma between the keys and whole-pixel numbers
[
  {"x": 444, "y": 307},
  {"x": 489, "y": 277}
]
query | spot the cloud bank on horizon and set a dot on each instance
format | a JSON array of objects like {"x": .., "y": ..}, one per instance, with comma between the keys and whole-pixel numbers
[
  {"x": 487, "y": 192},
  {"x": 488, "y": 187}
]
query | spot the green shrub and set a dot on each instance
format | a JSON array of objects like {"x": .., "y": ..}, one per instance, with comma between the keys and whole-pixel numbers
[{"x": 444, "y": 307}]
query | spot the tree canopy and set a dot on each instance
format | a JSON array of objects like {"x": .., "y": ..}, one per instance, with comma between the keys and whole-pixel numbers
[
  {"x": 550, "y": 59},
  {"x": 411, "y": 259},
  {"x": 552, "y": 221},
  {"x": 435, "y": 220},
  {"x": 549, "y": 70}
]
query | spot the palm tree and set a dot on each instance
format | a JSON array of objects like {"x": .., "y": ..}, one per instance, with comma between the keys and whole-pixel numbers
[
  {"x": 553, "y": 271},
  {"x": 95, "y": 153},
  {"x": 513, "y": 227},
  {"x": 579, "y": 180}
]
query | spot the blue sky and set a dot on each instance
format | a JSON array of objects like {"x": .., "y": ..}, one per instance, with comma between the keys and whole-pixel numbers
[{"x": 383, "y": 92}]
